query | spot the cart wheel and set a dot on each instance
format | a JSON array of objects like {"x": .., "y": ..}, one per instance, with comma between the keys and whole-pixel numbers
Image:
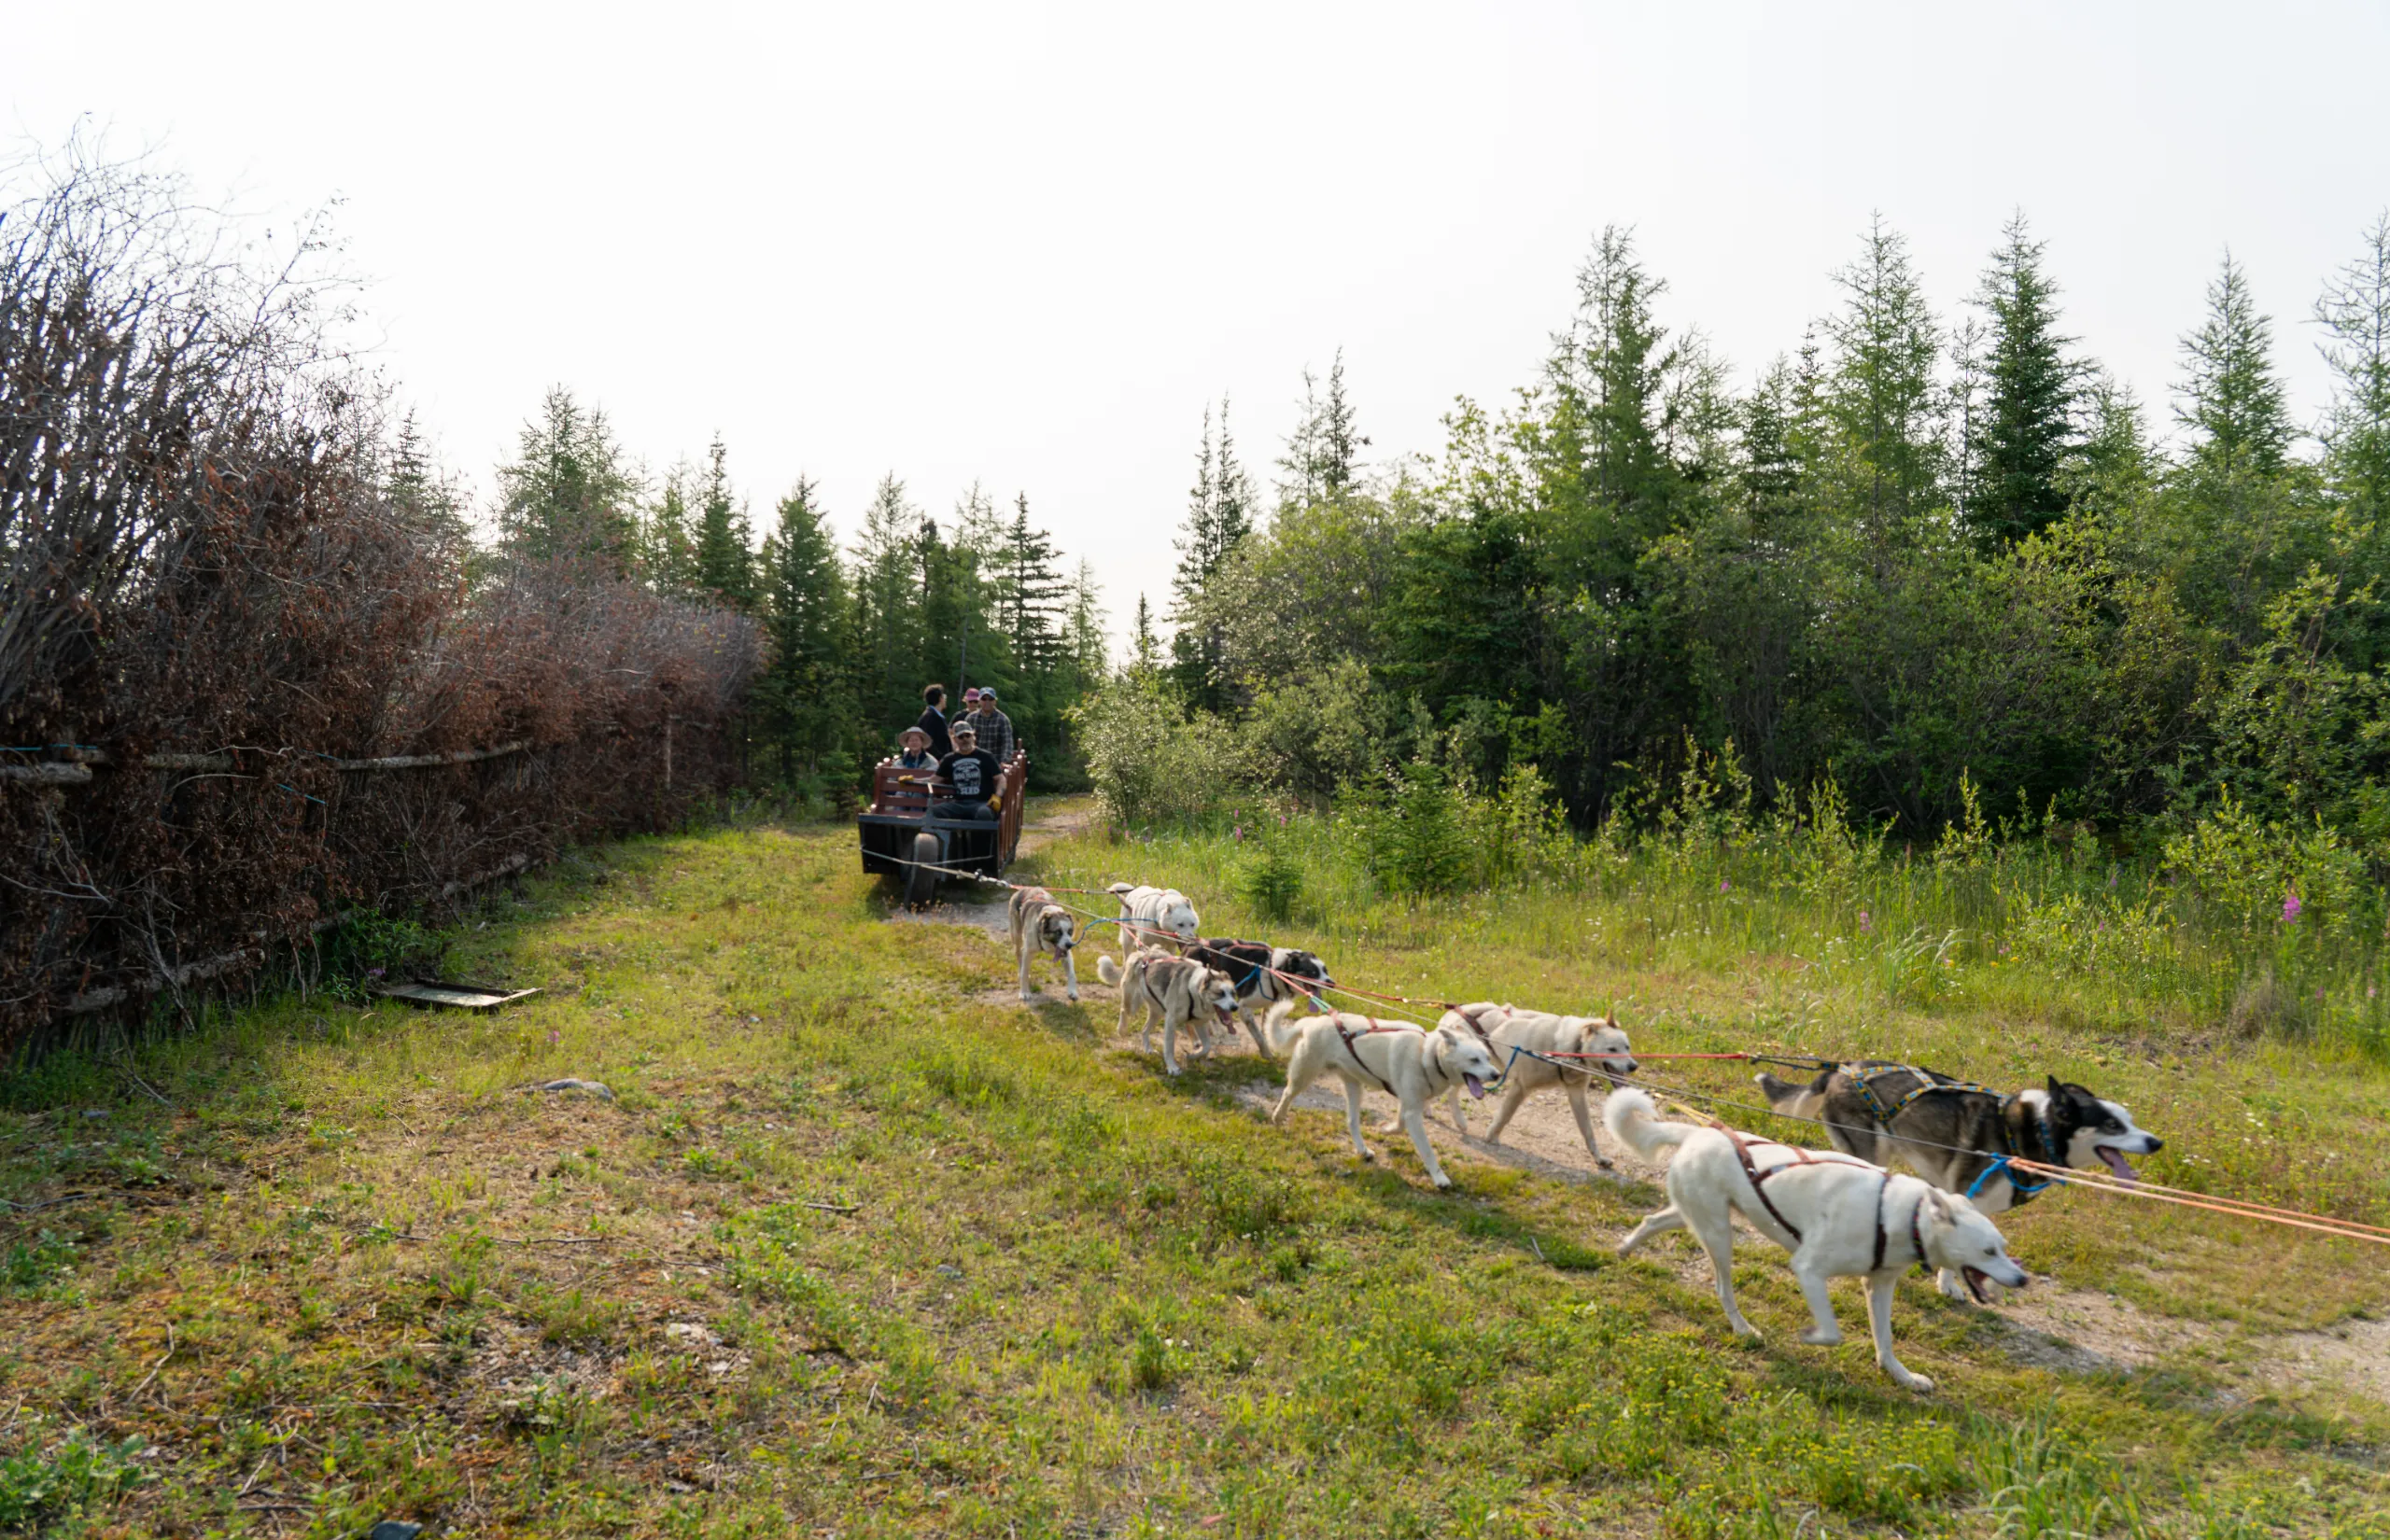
[{"x": 921, "y": 883}]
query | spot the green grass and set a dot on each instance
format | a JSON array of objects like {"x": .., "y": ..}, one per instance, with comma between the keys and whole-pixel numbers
[{"x": 857, "y": 1247}]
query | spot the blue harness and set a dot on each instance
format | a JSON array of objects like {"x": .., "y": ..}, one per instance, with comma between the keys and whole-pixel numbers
[{"x": 1927, "y": 1084}]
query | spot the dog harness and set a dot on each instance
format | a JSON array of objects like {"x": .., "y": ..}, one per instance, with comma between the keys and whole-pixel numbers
[
  {"x": 1915, "y": 1234},
  {"x": 1801, "y": 1156},
  {"x": 1348, "y": 1035},
  {"x": 1928, "y": 1081}
]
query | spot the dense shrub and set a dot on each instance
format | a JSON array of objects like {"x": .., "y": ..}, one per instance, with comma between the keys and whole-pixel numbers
[{"x": 219, "y": 578}]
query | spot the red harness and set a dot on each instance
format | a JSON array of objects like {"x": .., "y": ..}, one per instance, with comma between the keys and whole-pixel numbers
[{"x": 1348, "y": 1035}]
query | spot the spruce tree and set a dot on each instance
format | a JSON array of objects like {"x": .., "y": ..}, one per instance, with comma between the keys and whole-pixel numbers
[
  {"x": 2011, "y": 485},
  {"x": 887, "y": 609},
  {"x": 1767, "y": 469},
  {"x": 1879, "y": 398},
  {"x": 1324, "y": 452},
  {"x": 1217, "y": 521},
  {"x": 725, "y": 563},
  {"x": 667, "y": 540},
  {"x": 1145, "y": 650},
  {"x": 2231, "y": 397},
  {"x": 424, "y": 499},
  {"x": 803, "y": 592},
  {"x": 568, "y": 493},
  {"x": 1031, "y": 593},
  {"x": 2355, "y": 312},
  {"x": 1086, "y": 650}
]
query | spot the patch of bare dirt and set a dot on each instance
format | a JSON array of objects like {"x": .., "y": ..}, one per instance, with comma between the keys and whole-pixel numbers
[
  {"x": 987, "y": 914},
  {"x": 1037, "y": 834}
]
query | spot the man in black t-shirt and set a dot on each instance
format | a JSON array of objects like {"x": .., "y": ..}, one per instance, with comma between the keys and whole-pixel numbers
[{"x": 974, "y": 774}]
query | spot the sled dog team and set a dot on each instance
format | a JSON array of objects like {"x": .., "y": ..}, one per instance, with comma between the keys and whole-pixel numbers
[{"x": 1841, "y": 1212}]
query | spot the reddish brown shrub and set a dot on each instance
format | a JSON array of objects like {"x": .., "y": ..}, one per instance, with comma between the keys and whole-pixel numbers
[{"x": 209, "y": 603}]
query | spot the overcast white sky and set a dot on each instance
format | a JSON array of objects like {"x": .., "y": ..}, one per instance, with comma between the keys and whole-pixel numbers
[{"x": 1024, "y": 243}]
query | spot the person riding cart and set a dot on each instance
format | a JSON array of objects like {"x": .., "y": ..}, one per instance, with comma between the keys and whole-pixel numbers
[{"x": 974, "y": 775}]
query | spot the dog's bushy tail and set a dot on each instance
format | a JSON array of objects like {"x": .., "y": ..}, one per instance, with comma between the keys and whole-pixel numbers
[
  {"x": 1122, "y": 888},
  {"x": 1627, "y": 1115},
  {"x": 1278, "y": 1027},
  {"x": 1109, "y": 971},
  {"x": 1791, "y": 1099}
]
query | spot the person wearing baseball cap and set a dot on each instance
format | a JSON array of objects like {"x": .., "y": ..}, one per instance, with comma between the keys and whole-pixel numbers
[{"x": 994, "y": 727}]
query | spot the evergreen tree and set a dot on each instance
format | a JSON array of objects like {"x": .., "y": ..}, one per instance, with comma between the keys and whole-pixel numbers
[
  {"x": 725, "y": 563},
  {"x": 1969, "y": 385},
  {"x": 1767, "y": 468},
  {"x": 887, "y": 609},
  {"x": 804, "y": 692},
  {"x": 1033, "y": 593},
  {"x": 568, "y": 493},
  {"x": 1324, "y": 454},
  {"x": 1217, "y": 521},
  {"x": 1088, "y": 650},
  {"x": 2355, "y": 312},
  {"x": 422, "y": 496},
  {"x": 1620, "y": 382},
  {"x": 2027, "y": 428},
  {"x": 1145, "y": 650},
  {"x": 2231, "y": 397},
  {"x": 1879, "y": 399},
  {"x": 668, "y": 541}
]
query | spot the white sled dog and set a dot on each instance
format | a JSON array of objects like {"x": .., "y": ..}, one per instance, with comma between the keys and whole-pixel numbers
[
  {"x": 1149, "y": 914},
  {"x": 1408, "y": 1062},
  {"x": 1175, "y": 989},
  {"x": 1502, "y": 1027},
  {"x": 1838, "y": 1216},
  {"x": 1041, "y": 925}
]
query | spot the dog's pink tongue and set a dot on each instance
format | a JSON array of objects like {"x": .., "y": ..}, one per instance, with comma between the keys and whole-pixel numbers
[
  {"x": 2117, "y": 1163},
  {"x": 1476, "y": 1086}
]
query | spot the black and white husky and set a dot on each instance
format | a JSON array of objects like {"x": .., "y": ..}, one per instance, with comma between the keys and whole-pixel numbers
[
  {"x": 1960, "y": 1136},
  {"x": 1262, "y": 974}
]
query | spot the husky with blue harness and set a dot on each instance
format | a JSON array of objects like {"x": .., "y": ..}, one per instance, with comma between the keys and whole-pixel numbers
[
  {"x": 1962, "y": 1137},
  {"x": 1262, "y": 974}
]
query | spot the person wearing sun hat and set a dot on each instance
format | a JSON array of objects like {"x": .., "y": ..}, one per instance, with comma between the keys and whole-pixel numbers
[{"x": 915, "y": 743}]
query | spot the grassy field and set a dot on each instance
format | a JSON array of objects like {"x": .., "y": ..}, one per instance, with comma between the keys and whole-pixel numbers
[{"x": 859, "y": 1247}]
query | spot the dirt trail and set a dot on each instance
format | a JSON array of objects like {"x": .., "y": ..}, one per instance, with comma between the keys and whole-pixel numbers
[
  {"x": 977, "y": 904},
  {"x": 2050, "y": 1325}
]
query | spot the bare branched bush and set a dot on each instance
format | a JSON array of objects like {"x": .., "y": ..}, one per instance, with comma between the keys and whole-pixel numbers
[{"x": 210, "y": 602}]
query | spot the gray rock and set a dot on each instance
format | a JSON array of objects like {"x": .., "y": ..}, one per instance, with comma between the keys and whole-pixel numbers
[
  {"x": 593, "y": 1087},
  {"x": 394, "y": 1529}
]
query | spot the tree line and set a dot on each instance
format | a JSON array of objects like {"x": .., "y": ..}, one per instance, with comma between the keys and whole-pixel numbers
[
  {"x": 982, "y": 598},
  {"x": 1922, "y": 557}
]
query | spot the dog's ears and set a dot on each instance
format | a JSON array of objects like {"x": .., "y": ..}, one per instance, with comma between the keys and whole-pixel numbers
[
  {"x": 1941, "y": 1207},
  {"x": 2057, "y": 1087}
]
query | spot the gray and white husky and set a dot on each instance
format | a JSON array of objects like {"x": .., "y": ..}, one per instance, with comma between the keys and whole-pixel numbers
[{"x": 1960, "y": 1136}]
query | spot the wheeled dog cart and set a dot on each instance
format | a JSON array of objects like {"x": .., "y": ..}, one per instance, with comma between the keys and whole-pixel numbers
[{"x": 901, "y": 840}]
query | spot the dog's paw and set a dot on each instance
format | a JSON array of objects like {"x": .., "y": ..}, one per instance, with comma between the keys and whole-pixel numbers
[
  {"x": 1444, "y": 1183},
  {"x": 1951, "y": 1287},
  {"x": 1916, "y": 1382},
  {"x": 1074, "y": 997},
  {"x": 1605, "y": 1163},
  {"x": 1744, "y": 1328},
  {"x": 1817, "y": 1337}
]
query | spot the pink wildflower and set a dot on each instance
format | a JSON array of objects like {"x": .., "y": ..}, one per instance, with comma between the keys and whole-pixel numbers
[
  {"x": 1724, "y": 885},
  {"x": 1866, "y": 923},
  {"x": 2291, "y": 907}
]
